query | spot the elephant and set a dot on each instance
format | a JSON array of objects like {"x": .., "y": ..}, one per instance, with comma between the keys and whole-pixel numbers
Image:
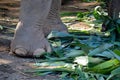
[{"x": 37, "y": 19}]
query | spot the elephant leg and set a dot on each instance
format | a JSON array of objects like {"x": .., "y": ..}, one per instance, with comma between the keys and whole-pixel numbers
[
  {"x": 29, "y": 39},
  {"x": 54, "y": 22}
]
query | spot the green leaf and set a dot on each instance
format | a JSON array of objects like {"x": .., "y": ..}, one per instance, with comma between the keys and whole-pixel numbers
[
  {"x": 111, "y": 29},
  {"x": 64, "y": 74},
  {"x": 113, "y": 36},
  {"x": 105, "y": 67},
  {"x": 1, "y": 27},
  {"x": 116, "y": 51},
  {"x": 81, "y": 74},
  {"x": 117, "y": 44},
  {"x": 118, "y": 21},
  {"x": 52, "y": 63},
  {"x": 58, "y": 52},
  {"x": 118, "y": 28},
  {"x": 100, "y": 49},
  {"x": 74, "y": 53},
  {"x": 114, "y": 72},
  {"x": 94, "y": 61},
  {"x": 115, "y": 55},
  {"x": 105, "y": 54},
  {"x": 56, "y": 34},
  {"x": 42, "y": 73},
  {"x": 80, "y": 15},
  {"x": 56, "y": 43},
  {"x": 107, "y": 22},
  {"x": 52, "y": 69},
  {"x": 83, "y": 47}
]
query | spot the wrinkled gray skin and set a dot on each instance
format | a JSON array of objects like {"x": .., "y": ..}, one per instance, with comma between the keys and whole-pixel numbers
[{"x": 37, "y": 19}]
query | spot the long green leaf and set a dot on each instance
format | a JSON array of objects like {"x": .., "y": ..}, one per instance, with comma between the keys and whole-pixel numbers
[
  {"x": 105, "y": 67},
  {"x": 74, "y": 53},
  {"x": 100, "y": 49},
  {"x": 115, "y": 55},
  {"x": 56, "y": 34},
  {"x": 114, "y": 72}
]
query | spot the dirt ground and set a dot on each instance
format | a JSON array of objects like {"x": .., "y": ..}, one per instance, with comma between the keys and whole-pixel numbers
[{"x": 12, "y": 67}]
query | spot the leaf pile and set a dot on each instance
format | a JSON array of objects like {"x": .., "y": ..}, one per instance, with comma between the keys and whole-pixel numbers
[{"x": 80, "y": 58}]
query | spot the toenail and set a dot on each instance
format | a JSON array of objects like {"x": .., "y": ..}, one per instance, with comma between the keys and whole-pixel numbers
[
  {"x": 20, "y": 51},
  {"x": 38, "y": 52}
]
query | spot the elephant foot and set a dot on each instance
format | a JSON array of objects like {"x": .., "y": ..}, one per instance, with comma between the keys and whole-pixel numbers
[
  {"x": 29, "y": 42},
  {"x": 24, "y": 52},
  {"x": 33, "y": 49}
]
